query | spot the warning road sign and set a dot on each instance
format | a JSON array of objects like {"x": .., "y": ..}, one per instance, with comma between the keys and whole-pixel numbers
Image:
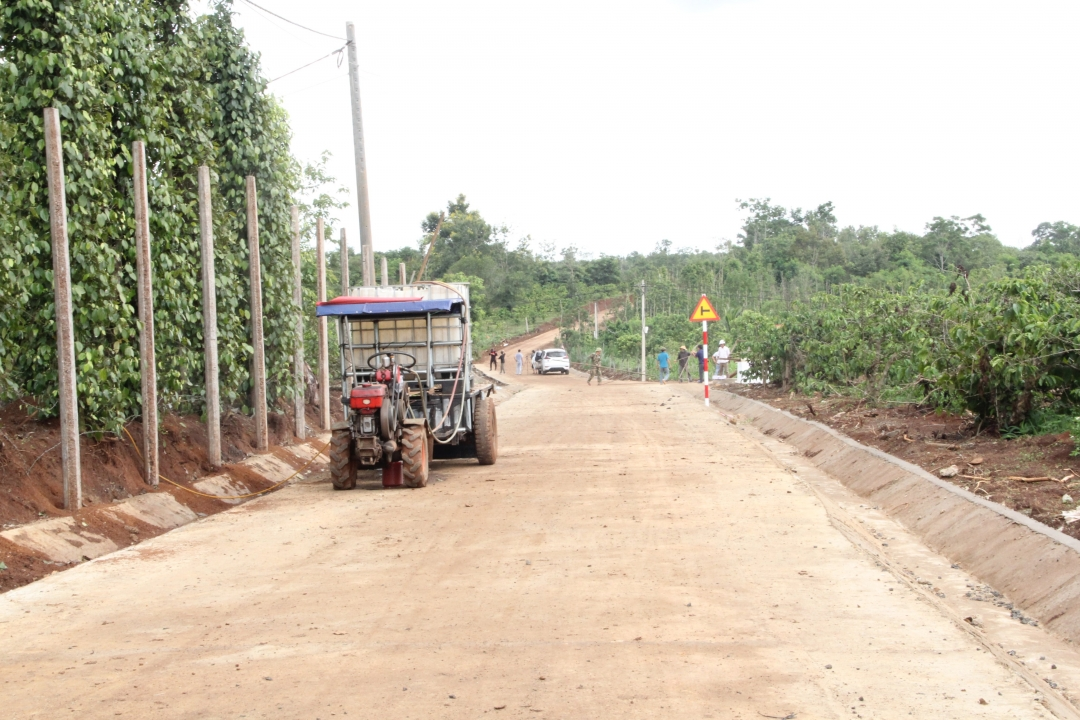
[{"x": 704, "y": 312}]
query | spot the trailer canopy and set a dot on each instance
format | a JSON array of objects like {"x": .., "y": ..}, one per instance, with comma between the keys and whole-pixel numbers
[{"x": 340, "y": 307}]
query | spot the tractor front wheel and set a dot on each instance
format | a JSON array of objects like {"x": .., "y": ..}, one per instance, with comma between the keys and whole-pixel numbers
[
  {"x": 342, "y": 464},
  {"x": 415, "y": 456}
]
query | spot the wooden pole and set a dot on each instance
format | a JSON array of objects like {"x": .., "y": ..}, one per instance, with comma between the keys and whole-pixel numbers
[
  {"x": 324, "y": 350},
  {"x": 434, "y": 237},
  {"x": 210, "y": 340},
  {"x": 299, "y": 419},
  {"x": 145, "y": 272},
  {"x": 401, "y": 273},
  {"x": 385, "y": 273},
  {"x": 258, "y": 374},
  {"x": 344, "y": 264},
  {"x": 70, "y": 467}
]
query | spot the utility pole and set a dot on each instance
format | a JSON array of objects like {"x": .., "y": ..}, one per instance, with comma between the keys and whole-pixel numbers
[
  {"x": 70, "y": 465},
  {"x": 401, "y": 273},
  {"x": 644, "y": 331},
  {"x": 595, "y": 321},
  {"x": 362, "y": 205}
]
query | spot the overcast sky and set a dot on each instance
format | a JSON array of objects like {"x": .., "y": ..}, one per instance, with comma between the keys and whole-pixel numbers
[{"x": 613, "y": 125}]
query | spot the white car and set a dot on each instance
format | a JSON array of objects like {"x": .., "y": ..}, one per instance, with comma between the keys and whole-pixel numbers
[{"x": 553, "y": 360}]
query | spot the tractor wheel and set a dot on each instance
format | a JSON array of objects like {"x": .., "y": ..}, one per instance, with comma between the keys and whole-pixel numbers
[
  {"x": 415, "y": 456},
  {"x": 342, "y": 464},
  {"x": 486, "y": 430}
]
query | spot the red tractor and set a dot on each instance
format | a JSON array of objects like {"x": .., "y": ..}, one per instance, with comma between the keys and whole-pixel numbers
[{"x": 406, "y": 385}]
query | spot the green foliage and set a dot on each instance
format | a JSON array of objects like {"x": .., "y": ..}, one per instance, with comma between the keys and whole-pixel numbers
[
  {"x": 1012, "y": 347},
  {"x": 950, "y": 317},
  {"x": 1006, "y": 350},
  {"x": 119, "y": 72}
]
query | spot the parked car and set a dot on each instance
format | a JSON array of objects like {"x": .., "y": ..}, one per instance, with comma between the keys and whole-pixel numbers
[{"x": 554, "y": 360}]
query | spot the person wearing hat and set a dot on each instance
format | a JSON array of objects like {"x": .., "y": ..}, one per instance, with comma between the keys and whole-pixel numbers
[
  {"x": 721, "y": 358},
  {"x": 664, "y": 360},
  {"x": 683, "y": 357},
  {"x": 594, "y": 369}
]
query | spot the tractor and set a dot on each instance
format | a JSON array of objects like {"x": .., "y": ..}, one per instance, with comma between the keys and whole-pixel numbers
[{"x": 406, "y": 385}]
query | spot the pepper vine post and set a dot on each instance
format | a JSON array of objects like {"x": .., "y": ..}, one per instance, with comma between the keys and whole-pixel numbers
[
  {"x": 71, "y": 465},
  {"x": 258, "y": 375},
  {"x": 344, "y": 264},
  {"x": 209, "y": 307},
  {"x": 324, "y": 349},
  {"x": 144, "y": 271},
  {"x": 298, "y": 354}
]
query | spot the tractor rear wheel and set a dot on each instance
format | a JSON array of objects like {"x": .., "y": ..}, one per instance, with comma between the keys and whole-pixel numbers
[
  {"x": 486, "y": 430},
  {"x": 415, "y": 456},
  {"x": 342, "y": 464}
]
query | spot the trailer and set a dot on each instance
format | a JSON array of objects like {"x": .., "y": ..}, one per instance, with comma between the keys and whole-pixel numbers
[{"x": 406, "y": 385}]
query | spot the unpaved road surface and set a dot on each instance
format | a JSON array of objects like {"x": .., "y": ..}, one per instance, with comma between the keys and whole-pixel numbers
[{"x": 631, "y": 555}]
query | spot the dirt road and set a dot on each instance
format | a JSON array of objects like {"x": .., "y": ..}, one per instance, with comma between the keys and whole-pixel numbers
[{"x": 630, "y": 555}]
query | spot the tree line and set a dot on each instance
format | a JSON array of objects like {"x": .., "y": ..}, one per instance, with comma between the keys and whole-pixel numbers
[{"x": 949, "y": 317}]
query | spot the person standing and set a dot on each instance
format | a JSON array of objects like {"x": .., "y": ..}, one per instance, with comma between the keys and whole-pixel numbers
[
  {"x": 594, "y": 368},
  {"x": 722, "y": 356},
  {"x": 699, "y": 353},
  {"x": 494, "y": 358},
  {"x": 664, "y": 360},
  {"x": 502, "y": 362},
  {"x": 519, "y": 360},
  {"x": 684, "y": 356}
]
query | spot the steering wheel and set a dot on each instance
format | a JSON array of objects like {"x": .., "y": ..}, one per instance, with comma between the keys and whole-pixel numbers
[{"x": 391, "y": 355}]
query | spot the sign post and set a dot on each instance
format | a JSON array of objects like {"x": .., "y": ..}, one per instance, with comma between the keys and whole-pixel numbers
[{"x": 703, "y": 313}]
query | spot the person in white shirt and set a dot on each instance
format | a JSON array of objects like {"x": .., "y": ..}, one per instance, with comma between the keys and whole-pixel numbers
[
  {"x": 519, "y": 359},
  {"x": 721, "y": 358}
]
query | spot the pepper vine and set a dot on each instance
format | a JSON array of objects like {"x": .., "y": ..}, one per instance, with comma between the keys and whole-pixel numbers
[{"x": 121, "y": 70}]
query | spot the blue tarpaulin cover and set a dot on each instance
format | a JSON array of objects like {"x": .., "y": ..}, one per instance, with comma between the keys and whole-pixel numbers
[{"x": 420, "y": 307}]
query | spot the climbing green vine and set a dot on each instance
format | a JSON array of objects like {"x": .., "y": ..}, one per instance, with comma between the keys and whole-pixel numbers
[{"x": 118, "y": 71}]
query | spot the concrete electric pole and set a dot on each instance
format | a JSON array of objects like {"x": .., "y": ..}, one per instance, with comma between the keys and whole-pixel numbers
[
  {"x": 367, "y": 255},
  {"x": 644, "y": 331}
]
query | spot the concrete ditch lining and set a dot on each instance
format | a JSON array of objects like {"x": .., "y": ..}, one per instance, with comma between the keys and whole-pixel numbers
[
  {"x": 66, "y": 540},
  {"x": 1037, "y": 567}
]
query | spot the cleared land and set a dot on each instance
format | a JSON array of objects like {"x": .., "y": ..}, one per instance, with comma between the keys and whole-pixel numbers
[{"x": 631, "y": 555}]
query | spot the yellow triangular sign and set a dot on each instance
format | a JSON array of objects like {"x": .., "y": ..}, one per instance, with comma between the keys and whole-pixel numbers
[{"x": 704, "y": 311}]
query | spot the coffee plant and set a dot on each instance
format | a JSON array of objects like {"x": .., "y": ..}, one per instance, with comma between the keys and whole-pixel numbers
[{"x": 1003, "y": 350}]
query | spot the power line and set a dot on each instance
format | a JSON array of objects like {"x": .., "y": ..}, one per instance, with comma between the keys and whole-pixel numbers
[
  {"x": 312, "y": 87},
  {"x": 317, "y": 32},
  {"x": 336, "y": 52}
]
